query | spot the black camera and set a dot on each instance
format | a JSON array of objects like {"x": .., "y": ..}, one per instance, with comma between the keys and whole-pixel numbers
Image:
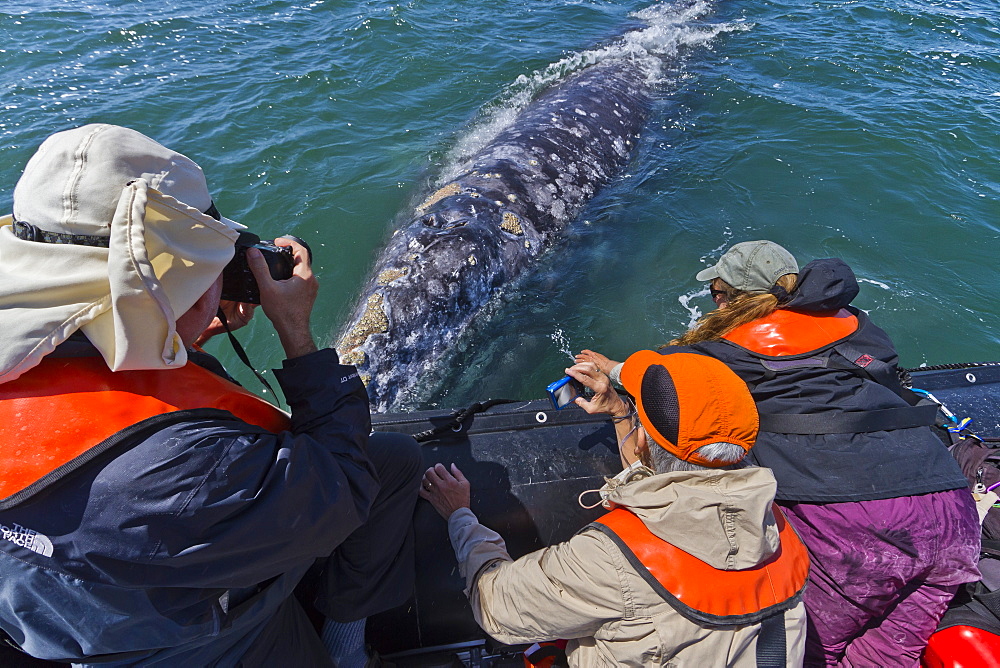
[{"x": 238, "y": 282}]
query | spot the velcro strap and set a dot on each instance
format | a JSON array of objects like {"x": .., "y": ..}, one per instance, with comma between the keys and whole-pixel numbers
[
  {"x": 858, "y": 422},
  {"x": 784, "y": 365},
  {"x": 771, "y": 651}
]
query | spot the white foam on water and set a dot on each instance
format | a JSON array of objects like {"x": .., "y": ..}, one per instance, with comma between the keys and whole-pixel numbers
[
  {"x": 671, "y": 28},
  {"x": 694, "y": 312},
  {"x": 878, "y": 284},
  {"x": 560, "y": 339}
]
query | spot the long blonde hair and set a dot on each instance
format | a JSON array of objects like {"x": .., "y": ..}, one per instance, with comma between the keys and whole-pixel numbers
[{"x": 741, "y": 308}]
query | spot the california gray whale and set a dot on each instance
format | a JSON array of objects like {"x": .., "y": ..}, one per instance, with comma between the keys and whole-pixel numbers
[{"x": 487, "y": 226}]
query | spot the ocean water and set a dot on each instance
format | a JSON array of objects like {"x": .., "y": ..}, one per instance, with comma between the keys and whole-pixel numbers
[{"x": 863, "y": 129}]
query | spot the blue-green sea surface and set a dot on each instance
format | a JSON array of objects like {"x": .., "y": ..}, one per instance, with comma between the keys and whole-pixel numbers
[{"x": 863, "y": 129}]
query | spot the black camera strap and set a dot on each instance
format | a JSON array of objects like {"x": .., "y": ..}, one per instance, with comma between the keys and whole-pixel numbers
[
  {"x": 242, "y": 354},
  {"x": 28, "y": 232}
]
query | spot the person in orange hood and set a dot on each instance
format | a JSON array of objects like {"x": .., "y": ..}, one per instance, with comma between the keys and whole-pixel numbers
[{"x": 693, "y": 565}]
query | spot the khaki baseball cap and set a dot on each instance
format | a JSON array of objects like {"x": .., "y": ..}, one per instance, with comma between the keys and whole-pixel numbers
[{"x": 752, "y": 266}]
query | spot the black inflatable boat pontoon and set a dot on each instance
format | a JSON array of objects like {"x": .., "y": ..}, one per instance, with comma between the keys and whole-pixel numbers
[{"x": 527, "y": 464}]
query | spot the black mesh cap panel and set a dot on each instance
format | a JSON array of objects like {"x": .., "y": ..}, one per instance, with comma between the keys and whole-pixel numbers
[{"x": 659, "y": 400}]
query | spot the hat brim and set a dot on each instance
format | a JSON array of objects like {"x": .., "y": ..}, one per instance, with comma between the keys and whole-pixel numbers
[
  {"x": 709, "y": 274},
  {"x": 232, "y": 224}
]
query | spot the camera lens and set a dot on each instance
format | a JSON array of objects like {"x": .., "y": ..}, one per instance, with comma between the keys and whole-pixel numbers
[{"x": 309, "y": 253}]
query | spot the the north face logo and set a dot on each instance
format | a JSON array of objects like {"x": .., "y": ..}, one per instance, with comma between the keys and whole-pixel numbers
[{"x": 28, "y": 538}]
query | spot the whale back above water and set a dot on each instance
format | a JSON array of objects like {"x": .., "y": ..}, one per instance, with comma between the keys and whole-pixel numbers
[{"x": 486, "y": 227}]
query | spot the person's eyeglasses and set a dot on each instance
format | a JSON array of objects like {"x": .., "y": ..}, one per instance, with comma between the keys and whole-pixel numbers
[{"x": 717, "y": 293}]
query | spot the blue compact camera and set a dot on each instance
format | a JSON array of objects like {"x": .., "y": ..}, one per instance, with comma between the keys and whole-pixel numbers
[{"x": 564, "y": 391}]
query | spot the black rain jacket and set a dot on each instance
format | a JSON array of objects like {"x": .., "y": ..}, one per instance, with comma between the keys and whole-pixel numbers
[
  {"x": 181, "y": 548},
  {"x": 837, "y": 467}
]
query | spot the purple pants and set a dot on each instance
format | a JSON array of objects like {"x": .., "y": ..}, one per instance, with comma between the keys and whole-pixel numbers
[{"x": 882, "y": 573}]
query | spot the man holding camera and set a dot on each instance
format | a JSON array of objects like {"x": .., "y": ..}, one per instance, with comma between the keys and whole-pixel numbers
[
  {"x": 151, "y": 510},
  {"x": 693, "y": 565}
]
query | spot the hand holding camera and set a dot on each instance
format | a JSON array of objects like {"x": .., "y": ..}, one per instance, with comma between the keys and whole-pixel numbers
[
  {"x": 564, "y": 391},
  {"x": 287, "y": 302},
  {"x": 604, "y": 399},
  {"x": 238, "y": 281}
]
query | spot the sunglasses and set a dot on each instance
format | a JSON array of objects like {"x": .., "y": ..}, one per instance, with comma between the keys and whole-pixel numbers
[{"x": 717, "y": 293}]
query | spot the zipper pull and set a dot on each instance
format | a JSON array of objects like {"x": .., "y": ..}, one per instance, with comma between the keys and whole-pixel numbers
[{"x": 979, "y": 488}]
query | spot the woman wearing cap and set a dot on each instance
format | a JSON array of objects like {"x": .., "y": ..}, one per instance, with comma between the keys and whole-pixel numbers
[
  {"x": 883, "y": 508},
  {"x": 692, "y": 566}
]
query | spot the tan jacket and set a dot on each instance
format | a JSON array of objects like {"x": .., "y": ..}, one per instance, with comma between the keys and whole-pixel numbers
[{"x": 585, "y": 591}]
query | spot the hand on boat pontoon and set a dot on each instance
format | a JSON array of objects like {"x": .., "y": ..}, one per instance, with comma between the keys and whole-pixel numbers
[
  {"x": 602, "y": 362},
  {"x": 446, "y": 490}
]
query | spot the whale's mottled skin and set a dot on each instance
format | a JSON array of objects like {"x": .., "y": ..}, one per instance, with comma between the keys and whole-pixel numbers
[{"x": 488, "y": 226}]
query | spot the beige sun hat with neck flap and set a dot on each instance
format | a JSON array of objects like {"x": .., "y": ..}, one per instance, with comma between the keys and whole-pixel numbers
[{"x": 111, "y": 234}]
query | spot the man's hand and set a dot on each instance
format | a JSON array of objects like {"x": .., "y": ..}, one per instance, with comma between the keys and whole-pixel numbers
[
  {"x": 605, "y": 399},
  {"x": 238, "y": 314},
  {"x": 446, "y": 490},
  {"x": 602, "y": 362},
  {"x": 289, "y": 303}
]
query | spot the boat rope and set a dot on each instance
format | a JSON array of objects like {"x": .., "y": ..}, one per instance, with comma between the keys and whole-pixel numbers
[
  {"x": 459, "y": 417},
  {"x": 948, "y": 367},
  {"x": 907, "y": 381}
]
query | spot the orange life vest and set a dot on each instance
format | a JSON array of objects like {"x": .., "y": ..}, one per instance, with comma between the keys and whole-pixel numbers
[
  {"x": 787, "y": 332},
  {"x": 57, "y": 415},
  {"x": 705, "y": 594}
]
